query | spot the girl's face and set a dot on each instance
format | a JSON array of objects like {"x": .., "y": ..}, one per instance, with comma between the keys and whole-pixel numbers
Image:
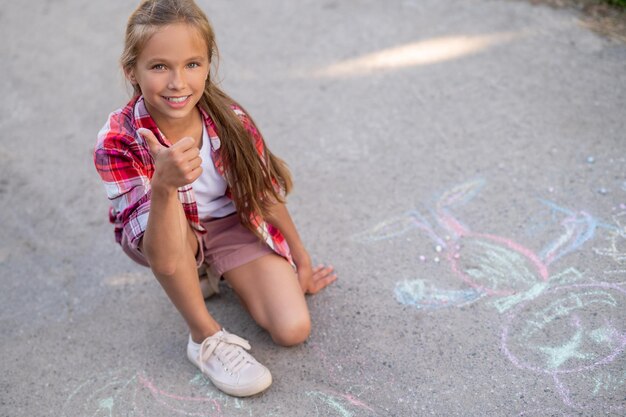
[{"x": 171, "y": 71}]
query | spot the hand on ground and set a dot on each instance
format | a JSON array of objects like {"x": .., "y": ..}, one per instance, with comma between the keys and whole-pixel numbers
[{"x": 316, "y": 279}]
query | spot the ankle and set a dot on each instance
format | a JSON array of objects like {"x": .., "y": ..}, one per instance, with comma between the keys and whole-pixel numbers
[{"x": 198, "y": 336}]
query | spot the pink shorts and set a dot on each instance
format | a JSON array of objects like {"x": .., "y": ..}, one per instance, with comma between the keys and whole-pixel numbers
[{"x": 225, "y": 246}]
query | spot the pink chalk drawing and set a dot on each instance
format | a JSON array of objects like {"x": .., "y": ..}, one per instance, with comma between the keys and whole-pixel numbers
[
  {"x": 540, "y": 305},
  {"x": 335, "y": 404},
  {"x": 537, "y": 322},
  {"x": 490, "y": 265},
  {"x": 178, "y": 403},
  {"x": 533, "y": 339},
  {"x": 329, "y": 401},
  {"x": 124, "y": 392}
]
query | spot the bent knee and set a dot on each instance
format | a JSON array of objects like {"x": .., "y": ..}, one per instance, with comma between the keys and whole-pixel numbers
[{"x": 292, "y": 332}]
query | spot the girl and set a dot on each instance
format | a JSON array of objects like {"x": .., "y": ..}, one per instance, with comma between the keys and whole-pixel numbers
[{"x": 192, "y": 185}]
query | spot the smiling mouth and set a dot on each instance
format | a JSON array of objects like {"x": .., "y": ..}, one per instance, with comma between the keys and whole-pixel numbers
[{"x": 176, "y": 99}]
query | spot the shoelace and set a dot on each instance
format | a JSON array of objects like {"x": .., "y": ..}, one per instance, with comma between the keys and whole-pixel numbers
[{"x": 235, "y": 358}]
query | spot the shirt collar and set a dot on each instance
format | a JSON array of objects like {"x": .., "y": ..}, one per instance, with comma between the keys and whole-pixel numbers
[
  {"x": 143, "y": 119},
  {"x": 210, "y": 126}
]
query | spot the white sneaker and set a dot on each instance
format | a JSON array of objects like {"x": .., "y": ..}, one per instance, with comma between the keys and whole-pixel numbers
[
  {"x": 209, "y": 281},
  {"x": 223, "y": 358}
]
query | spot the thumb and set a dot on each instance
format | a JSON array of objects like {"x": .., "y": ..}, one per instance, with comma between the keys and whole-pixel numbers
[{"x": 153, "y": 143}]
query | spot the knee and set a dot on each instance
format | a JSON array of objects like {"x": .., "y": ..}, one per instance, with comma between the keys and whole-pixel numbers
[{"x": 292, "y": 332}]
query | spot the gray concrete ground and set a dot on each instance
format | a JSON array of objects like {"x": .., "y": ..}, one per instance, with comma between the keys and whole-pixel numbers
[{"x": 461, "y": 163}]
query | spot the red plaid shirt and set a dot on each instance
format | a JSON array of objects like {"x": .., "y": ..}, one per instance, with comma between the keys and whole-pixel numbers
[{"x": 126, "y": 167}]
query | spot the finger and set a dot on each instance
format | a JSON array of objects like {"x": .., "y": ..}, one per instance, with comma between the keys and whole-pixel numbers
[
  {"x": 192, "y": 153},
  {"x": 320, "y": 278},
  {"x": 323, "y": 278},
  {"x": 197, "y": 161},
  {"x": 323, "y": 271},
  {"x": 321, "y": 267},
  {"x": 194, "y": 174},
  {"x": 322, "y": 283},
  {"x": 194, "y": 163},
  {"x": 153, "y": 144},
  {"x": 184, "y": 144}
]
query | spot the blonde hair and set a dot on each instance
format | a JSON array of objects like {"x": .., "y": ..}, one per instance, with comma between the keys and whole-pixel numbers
[{"x": 250, "y": 178}]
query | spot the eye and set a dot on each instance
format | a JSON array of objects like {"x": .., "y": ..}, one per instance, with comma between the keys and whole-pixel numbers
[
  {"x": 193, "y": 65},
  {"x": 158, "y": 67}
]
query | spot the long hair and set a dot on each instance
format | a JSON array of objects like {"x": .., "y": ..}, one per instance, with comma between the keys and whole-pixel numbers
[{"x": 251, "y": 178}]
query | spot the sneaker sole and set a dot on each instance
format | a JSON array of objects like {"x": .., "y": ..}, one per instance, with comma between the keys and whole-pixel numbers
[{"x": 259, "y": 385}]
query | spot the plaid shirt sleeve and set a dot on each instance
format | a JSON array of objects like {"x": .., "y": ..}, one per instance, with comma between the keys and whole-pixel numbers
[{"x": 125, "y": 167}]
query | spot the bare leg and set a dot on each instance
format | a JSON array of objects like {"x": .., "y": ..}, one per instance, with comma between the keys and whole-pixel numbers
[
  {"x": 183, "y": 289},
  {"x": 269, "y": 289}
]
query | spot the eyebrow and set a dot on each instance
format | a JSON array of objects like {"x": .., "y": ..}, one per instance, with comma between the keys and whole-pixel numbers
[{"x": 193, "y": 58}]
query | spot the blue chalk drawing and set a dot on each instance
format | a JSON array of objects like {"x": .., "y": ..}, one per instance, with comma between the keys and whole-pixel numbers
[{"x": 538, "y": 304}]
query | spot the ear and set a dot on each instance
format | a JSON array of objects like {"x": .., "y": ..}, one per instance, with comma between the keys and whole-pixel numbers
[{"x": 130, "y": 76}]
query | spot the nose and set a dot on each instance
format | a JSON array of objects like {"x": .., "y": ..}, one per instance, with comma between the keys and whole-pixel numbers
[{"x": 177, "y": 81}]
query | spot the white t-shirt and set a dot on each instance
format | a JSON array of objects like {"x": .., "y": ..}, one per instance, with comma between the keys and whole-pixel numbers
[{"x": 210, "y": 186}]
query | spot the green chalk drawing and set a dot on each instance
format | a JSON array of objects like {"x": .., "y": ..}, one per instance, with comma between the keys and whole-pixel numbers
[
  {"x": 557, "y": 356},
  {"x": 597, "y": 387},
  {"x": 107, "y": 403},
  {"x": 337, "y": 404},
  {"x": 198, "y": 379},
  {"x": 604, "y": 335},
  {"x": 540, "y": 304},
  {"x": 600, "y": 391},
  {"x": 492, "y": 265},
  {"x": 606, "y": 382},
  {"x": 506, "y": 303},
  {"x": 332, "y": 402},
  {"x": 128, "y": 393},
  {"x": 566, "y": 277},
  {"x": 616, "y": 248},
  {"x": 537, "y": 321}
]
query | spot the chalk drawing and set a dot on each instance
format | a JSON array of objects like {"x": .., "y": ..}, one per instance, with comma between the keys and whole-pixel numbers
[
  {"x": 566, "y": 277},
  {"x": 616, "y": 248},
  {"x": 335, "y": 404},
  {"x": 538, "y": 304},
  {"x": 579, "y": 228},
  {"x": 422, "y": 294},
  {"x": 124, "y": 392},
  {"x": 351, "y": 401},
  {"x": 601, "y": 390},
  {"x": 487, "y": 263},
  {"x": 495, "y": 265},
  {"x": 530, "y": 340},
  {"x": 531, "y": 329},
  {"x": 398, "y": 226}
]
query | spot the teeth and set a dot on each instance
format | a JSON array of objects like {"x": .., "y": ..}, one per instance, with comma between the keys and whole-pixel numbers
[{"x": 177, "y": 99}]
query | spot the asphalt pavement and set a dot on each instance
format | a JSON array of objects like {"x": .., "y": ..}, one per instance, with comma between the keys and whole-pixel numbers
[{"x": 461, "y": 163}]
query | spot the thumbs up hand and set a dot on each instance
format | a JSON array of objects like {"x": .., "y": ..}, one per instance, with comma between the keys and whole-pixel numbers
[{"x": 175, "y": 166}]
